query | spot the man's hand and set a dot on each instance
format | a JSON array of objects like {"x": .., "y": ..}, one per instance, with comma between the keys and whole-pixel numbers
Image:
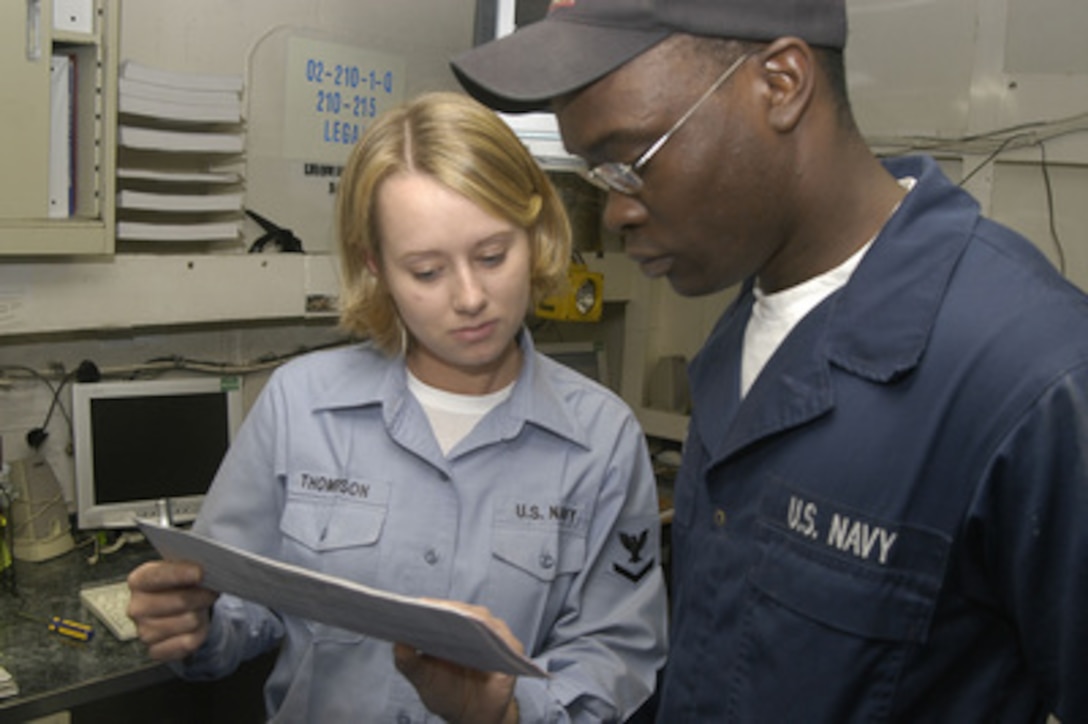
[
  {"x": 170, "y": 608},
  {"x": 457, "y": 693}
]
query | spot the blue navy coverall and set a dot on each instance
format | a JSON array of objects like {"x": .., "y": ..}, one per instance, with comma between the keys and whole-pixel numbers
[{"x": 893, "y": 524}]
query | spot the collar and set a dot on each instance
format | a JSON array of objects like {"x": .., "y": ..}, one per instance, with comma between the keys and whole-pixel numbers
[
  {"x": 880, "y": 322},
  {"x": 366, "y": 377},
  {"x": 877, "y": 326}
]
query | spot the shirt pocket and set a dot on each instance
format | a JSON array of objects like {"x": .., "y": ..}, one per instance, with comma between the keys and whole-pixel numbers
[
  {"x": 543, "y": 554},
  {"x": 326, "y": 526},
  {"x": 812, "y": 610},
  {"x": 335, "y": 537},
  {"x": 851, "y": 597}
]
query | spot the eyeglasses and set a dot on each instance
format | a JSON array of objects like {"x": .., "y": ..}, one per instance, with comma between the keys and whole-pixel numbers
[{"x": 624, "y": 177}]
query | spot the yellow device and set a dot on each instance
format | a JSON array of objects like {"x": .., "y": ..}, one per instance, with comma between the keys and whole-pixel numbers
[{"x": 581, "y": 301}]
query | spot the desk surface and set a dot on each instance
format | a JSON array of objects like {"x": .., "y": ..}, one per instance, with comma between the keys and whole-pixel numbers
[{"x": 56, "y": 673}]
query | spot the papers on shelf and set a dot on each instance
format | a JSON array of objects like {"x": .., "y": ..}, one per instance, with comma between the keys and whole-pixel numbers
[
  {"x": 150, "y": 139},
  {"x": 178, "y": 111},
  {"x": 180, "y": 156},
  {"x": 133, "y": 70},
  {"x": 209, "y": 231},
  {"x": 179, "y": 177},
  {"x": 179, "y": 202},
  {"x": 143, "y": 98},
  {"x": 135, "y": 88},
  {"x": 432, "y": 627}
]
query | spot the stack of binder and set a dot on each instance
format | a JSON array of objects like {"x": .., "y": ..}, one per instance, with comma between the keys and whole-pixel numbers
[{"x": 181, "y": 153}]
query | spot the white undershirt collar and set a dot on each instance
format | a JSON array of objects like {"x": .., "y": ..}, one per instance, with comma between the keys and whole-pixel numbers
[
  {"x": 775, "y": 315},
  {"x": 452, "y": 415}
]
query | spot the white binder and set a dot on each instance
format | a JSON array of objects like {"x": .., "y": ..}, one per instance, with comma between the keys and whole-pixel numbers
[{"x": 60, "y": 136}]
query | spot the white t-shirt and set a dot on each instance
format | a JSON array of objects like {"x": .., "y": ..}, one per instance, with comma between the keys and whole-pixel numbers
[{"x": 453, "y": 416}]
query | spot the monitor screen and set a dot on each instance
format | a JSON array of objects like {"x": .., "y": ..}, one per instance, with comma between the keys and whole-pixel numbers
[
  {"x": 145, "y": 444},
  {"x": 585, "y": 357}
]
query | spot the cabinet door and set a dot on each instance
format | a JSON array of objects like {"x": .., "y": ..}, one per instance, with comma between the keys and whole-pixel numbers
[{"x": 24, "y": 111}]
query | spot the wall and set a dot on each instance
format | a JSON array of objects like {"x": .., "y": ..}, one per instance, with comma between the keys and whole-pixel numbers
[
  {"x": 252, "y": 38},
  {"x": 993, "y": 86},
  {"x": 235, "y": 310}
]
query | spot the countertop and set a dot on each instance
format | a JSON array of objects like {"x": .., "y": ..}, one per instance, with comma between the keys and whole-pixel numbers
[{"x": 54, "y": 672}]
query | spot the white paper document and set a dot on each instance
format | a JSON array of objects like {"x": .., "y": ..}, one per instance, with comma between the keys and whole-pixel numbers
[
  {"x": 433, "y": 628},
  {"x": 179, "y": 177},
  {"x": 210, "y": 231},
  {"x": 207, "y": 203},
  {"x": 150, "y": 139},
  {"x": 179, "y": 79}
]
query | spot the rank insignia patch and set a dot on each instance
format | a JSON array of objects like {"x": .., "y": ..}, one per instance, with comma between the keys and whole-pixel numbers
[{"x": 634, "y": 568}]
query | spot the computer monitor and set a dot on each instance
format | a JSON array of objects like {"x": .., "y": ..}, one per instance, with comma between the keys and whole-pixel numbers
[
  {"x": 585, "y": 357},
  {"x": 145, "y": 445}
]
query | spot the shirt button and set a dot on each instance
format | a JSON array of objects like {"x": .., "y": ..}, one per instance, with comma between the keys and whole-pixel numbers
[
  {"x": 719, "y": 517},
  {"x": 403, "y": 718},
  {"x": 431, "y": 556},
  {"x": 547, "y": 560}
]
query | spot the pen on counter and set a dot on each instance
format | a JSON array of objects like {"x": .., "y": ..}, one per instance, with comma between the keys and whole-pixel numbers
[{"x": 64, "y": 627}]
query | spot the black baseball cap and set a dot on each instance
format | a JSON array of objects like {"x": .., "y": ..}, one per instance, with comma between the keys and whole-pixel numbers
[{"x": 580, "y": 41}]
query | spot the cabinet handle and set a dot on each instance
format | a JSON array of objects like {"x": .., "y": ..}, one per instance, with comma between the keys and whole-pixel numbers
[{"x": 33, "y": 30}]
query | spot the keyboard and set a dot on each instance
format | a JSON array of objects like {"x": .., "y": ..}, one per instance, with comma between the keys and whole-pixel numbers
[{"x": 108, "y": 602}]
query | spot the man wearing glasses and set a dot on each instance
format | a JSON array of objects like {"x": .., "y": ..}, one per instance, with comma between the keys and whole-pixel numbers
[{"x": 881, "y": 510}]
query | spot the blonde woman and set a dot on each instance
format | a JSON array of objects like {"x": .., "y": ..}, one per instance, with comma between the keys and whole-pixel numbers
[{"x": 443, "y": 457}]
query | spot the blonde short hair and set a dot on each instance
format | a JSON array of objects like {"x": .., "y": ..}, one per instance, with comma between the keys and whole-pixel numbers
[{"x": 468, "y": 149}]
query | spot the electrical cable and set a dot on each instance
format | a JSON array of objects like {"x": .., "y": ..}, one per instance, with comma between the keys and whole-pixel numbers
[
  {"x": 159, "y": 365},
  {"x": 35, "y": 437},
  {"x": 986, "y": 161},
  {"x": 1052, "y": 222},
  {"x": 88, "y": 371},
  {"x": 39, "y": 433},
  {"x": 1024, "y": 135},
  {"x": 85, "y": 372}
]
